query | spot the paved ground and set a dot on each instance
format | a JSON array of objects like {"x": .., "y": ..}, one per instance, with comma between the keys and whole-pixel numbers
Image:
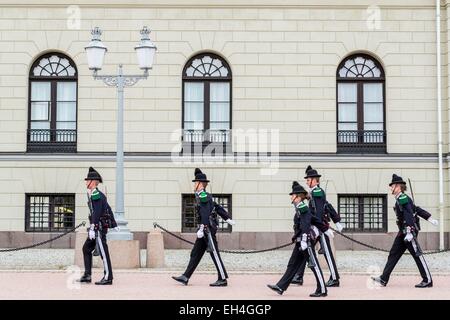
[{"x": 144, "y": 284}]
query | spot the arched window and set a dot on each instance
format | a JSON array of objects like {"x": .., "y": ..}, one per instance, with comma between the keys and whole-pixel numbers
[
  {"x": 206, "y": 99},
  {"x": 360, "y": 105},
  {"x": 52, "y": 125}
]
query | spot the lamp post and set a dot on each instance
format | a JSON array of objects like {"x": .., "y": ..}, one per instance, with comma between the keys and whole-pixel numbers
[{"x": 96, "y": 51}]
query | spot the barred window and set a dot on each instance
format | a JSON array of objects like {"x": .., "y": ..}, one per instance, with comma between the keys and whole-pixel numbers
[
  {"x": 188, "y": 216},
  {"x": 49, "y": 212},
  {"x": 363, "y": 213}
]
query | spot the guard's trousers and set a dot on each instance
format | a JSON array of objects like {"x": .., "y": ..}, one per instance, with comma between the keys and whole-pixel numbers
[
  {"x": 299, "y": 257},
  {"x": 200, "y": 246},
  {"x": 398, "y": 248},
  {"x": 328, "y": 253},
  {"x": 88, "y": 248}
]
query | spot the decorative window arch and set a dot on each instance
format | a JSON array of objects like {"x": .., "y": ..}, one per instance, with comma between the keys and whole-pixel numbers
[
  {"x": 52, "y": 120},
  {"x": 360, "y": 102},
  {"x": 207, "y": 98}
]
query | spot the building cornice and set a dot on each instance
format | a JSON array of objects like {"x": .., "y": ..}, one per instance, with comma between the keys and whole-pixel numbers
[
  {"x": 224, "y": 3},
  {"x": 282, "y": 157}
]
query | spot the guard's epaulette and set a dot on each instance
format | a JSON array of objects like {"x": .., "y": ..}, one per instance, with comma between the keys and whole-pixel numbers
[
  {"x": 95, "y": 195},
  {"x": 203, "y": 196},
  {"x": 318, "y": 192},
  {"x": 302, "y": 207},
  {"x": 403, "y": 199}
]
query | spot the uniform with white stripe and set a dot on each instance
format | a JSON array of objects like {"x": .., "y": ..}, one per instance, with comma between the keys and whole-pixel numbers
[
  {"x": 206, "y": 209},
  {"x": 302, "y": 226},
  {"x": 404, "y": 209}
]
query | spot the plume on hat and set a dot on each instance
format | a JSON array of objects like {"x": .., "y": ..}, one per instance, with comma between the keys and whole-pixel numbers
[
  {"x": 197, "y": 171},
  {"x": 308, "y": 168},
  {"x": 295, "y": 183}
]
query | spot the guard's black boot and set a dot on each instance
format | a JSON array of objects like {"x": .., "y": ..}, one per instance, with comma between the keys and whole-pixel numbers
[
  {"x": 332, "y": 283},
  {"x": 297, "y": 280},
  {"x": 182, "y": 279},
  {"x": 85, "y": 278},
  {"x": 219, "y": 283},
  {"x": 104, "y": 282},
  {"x": 379, "y": 281},
  {"x": 424, "y": 284},
  {"x": 276, "y": 288},
  {"x": 318, "y": 294}
]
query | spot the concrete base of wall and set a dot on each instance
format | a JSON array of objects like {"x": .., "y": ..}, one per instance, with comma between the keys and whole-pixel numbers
[{"x": 233, "y": 241}]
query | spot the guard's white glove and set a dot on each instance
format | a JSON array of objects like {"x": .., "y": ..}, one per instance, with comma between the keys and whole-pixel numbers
[
  {"x": 329, "y": 233},
  {"x": 230, "y": 222},
  {"x": 434, "y": 222},
  {"x": 117, "y": 229},
  {"x": 409, "y": 237},
  {"x": 200, "y": 233},
  {"x": 339, "y": 226},
  {"x": 303, "y": 243},
  {"x": 91, "y": 232}
]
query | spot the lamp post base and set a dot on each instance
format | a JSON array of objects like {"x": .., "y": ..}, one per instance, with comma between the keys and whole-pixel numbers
[{"x": 123, "y": 234}]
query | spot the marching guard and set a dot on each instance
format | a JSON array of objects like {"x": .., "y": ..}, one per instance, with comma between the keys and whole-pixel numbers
[
  {"x": 322, "y": 212},
  {"x": 304, "y": 233},
  {"x": 101, "y": 218},
  {"x": 206, "y": 210},
  {"x": 408, "y": 224}
]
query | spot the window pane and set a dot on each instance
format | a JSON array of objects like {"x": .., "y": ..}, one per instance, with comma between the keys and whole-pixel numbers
[
  {"x": 47, "y": 213},
  {"x": 220, "y": 116},
  {"x": 347, "y": 112},
  {"x": 189, "y": 218},
  {"x": 66, "y": 91},
  {"x": 40, "y": 91},
  {"x": 66, "y": 111},
  {"x": 363, "y": 213},
  {"x": 193, "y": 91},
  {"x": 347, "y": 92},
  {"x": 348, "y": 127},
  {"x": 373, "y": 92},
  {"x": 373, "y": 112},
  {"x": 220, "y": 91},
  {"x": 40, "y": 111}
]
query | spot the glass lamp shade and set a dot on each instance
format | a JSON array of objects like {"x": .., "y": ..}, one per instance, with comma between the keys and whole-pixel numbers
[
  {"x": 145, "y": 50},
  {"x": 95, "y": 50},
  {"x": 145, "y": 55},
  {"x": 95, "y": 55}
]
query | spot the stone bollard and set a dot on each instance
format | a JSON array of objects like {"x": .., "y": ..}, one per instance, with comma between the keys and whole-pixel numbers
[
  {"x": 155, "y": 249},
  {"x": 124, "y": 253}
]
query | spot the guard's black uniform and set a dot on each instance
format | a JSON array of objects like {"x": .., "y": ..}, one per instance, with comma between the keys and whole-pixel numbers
[
  {"x": 302, "y": 225},
  {"x": 99, "y": 207},
  {"x": 322, "y": 211},
  {"x": 404, "y": 210},
  {"x": 207, "y": 210}
]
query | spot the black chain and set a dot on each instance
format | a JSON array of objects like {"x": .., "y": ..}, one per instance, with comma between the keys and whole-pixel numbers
[
  {"x": 380, "y": 249},
  {"x": 156, "y": 225},
  {"x": 46, "y": 241}
]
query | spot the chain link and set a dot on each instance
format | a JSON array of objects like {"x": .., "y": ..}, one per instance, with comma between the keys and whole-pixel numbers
[
  {"x": 46, "y": 241},
  {"x": 156, "y": 225},
  {"x": 380, "y": 249}
]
